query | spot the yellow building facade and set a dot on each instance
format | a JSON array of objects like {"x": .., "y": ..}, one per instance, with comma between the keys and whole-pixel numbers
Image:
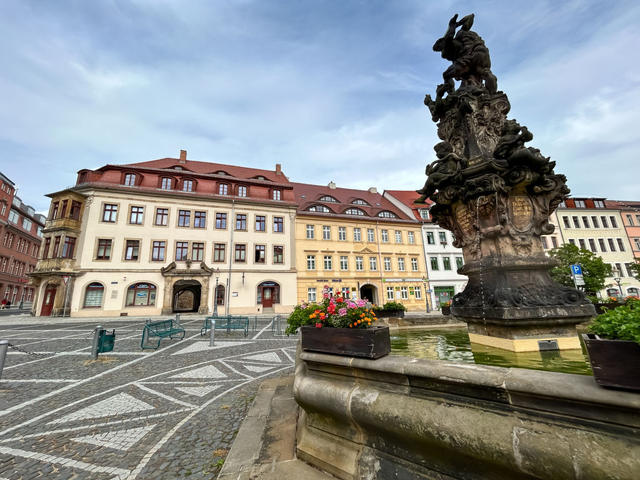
[{"x": 359, "y": 244}]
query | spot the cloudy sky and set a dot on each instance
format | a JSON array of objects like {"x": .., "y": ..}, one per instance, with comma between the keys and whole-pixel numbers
[{"x": 333, "y": 90}]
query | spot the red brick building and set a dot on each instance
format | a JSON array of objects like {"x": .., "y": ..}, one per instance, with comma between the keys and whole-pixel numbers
[{"x": 20, "y": 238}]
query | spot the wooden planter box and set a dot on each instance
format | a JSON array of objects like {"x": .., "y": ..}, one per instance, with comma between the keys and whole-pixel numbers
[
  {"x": 600, "y": 307},
  {"x": 372, "y": 343},
  {"x": 389, "y": 313},
  {"x": 446, "y": 310},
  {"x": 615, "y": 363}
]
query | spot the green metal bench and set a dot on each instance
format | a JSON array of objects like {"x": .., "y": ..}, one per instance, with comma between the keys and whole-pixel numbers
[
  {"x": 160, "y": 329},
  {"x": 227, "y": 322}
]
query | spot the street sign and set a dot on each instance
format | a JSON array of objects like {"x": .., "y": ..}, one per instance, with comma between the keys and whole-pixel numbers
[
  {"x": 576, "y": 273},
  {"x": 65, "y": 279},
  {"x": 576, "y": 269}
]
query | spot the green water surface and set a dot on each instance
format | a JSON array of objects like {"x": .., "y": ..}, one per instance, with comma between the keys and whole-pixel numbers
[{"x": 453, "y": 345}]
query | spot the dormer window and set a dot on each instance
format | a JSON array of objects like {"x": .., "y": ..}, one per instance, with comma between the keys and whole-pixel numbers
[
  {"x": 318, "y": 208},
  {"x": 166, "y": 183},
  {"x": 424, "y": 213},
  {"x": 177, "y": 167},
  {"x": 328, "y": 198},
  {"x": 223, "y": 189},
  {"x": 354, "y": 211},
  {"x": 187, "y": 185},
  {"x": 130, "y": 179},
  {"x": 242, "y": 191},
  {"x": 387, "y": 214},
  {"x": 221, "y": 172},
  {"x": 276, "y": 194},
  {"x": 359, "y": 201},
  {"x": 260, "y": 177}
]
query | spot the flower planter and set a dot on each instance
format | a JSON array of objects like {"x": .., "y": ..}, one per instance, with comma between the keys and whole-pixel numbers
[
  {"x": 446, "y": 310},
  {"x": 369, "y": 343},
  {"x": 602, "y": 307},
  {"x": 615, "y": 363}
]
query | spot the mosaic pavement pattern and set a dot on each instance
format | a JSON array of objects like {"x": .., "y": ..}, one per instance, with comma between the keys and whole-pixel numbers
[{"x": 164, "y": 414}]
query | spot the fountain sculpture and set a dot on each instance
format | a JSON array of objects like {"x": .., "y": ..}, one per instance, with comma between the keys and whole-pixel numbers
[{"x": 496, "y": 195}]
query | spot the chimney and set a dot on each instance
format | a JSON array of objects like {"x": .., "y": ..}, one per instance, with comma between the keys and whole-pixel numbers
[
  {"x": 373, "y": 190},
  {"x": 278, "y": 169},
  {"x": 183, "y": 156},
  {"x": 332, "y": 185}
]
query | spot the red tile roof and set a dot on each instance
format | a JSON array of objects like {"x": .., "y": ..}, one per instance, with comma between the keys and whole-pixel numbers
[
  {"x": 308, "y": 195},
  {"x": 408, "y": 197},
  {"x": 623, "y": 204}
]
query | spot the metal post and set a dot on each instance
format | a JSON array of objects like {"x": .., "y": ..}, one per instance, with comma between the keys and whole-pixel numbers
[
  {"x": 177, "y": 319},
  {"x": 212, "y": 336},
  {"x": 66, "y": 296},
  {"x": 94, "y": 346},
  {"x": 215, "y": 296},
  {"x": 4, "y": 345}
]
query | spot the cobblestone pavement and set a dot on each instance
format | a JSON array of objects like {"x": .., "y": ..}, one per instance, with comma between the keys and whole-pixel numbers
[{"x": 155, "y": 414}]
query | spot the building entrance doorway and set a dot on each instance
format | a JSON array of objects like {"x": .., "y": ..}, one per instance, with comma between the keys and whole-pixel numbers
[
  {"x": 268, "y": 294},
  {"x": 368, "y": 292},
  {"x": 186, "y": 296},
  {"x": 47, "y": 303},
  {"x": 443, "y": 295}
]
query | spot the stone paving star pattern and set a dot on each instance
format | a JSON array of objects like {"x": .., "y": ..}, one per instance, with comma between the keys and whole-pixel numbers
[{"x": 164, "y": 414}]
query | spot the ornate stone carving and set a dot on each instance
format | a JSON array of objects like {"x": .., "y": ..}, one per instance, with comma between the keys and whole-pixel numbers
[{"x": 491, "y": 190}]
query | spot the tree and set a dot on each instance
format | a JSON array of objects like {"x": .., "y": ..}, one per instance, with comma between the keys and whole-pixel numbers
[
  {"x": 594, "y": 270},
  {"x": 634, "y": 269}
]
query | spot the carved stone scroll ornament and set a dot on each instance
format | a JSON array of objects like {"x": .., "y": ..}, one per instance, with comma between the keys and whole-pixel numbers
[{"x": 491, "y": 190}]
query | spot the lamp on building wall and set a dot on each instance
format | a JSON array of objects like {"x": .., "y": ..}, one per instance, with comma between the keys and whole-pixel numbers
[
  {"x": 242, "y": 278},
  {"x": 215, "y": 293},
  {"x": 617, "y": 278}
]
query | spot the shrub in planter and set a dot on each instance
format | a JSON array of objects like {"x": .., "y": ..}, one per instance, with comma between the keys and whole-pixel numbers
[
  {"x": 390, "y": 309},
  {"x": 446, "y": 308},
  {"x": 614, "y": 346}
]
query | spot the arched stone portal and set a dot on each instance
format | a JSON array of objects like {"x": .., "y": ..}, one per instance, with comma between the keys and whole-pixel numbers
[
  {"x": 186, "y": 296},
  {"x": 369, "y": 292}
]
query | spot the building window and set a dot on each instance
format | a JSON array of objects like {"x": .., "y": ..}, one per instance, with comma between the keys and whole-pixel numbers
[
  {"x": 544, "y": 242},
  {"x": 219, "y": 252},
  {"x": 68, "y": 247},
  {"x": 110, "y": 213},
  {"x": 404, "y": 293},
  {"x": 446, "y": 263},
  {"x": 187, "y": 185},
  {"x": 371, "y": 237},
  {"x": 345, "y": 292},
  {"x": 411, "y": 237},
  {"x": 384, "y": 235},
  {"x": 223, "y": 189},
  {"x": 387, "y": 214},
  {"x": 620, "y": 245},
  {"x": 260, "y": 254},
  {"x": 342, "y": 233},
  {"x": 278, "y": 224},
  {"x": 398, "y": 236},
  {"x": 443, "y": 238},
  {"x": 594, "y": 221},
  {"x": 630, "y": 220},
  {"x": 93, "y": 295},
  {"x": 130, "y": 179},
  {"x": 241, "y": 221},
  {"x": 45, "y": 250},
  {"x": 158, "y": 251},
  {"x": 136, "y": 216},
  {"x": 328, "y": 198},
  {"x": 261, "y": 223},
  {"x": 357, "y": 234},
  {"x": 221, "y": 221},
  {"x": 637, "y": 243},
  {"x": 311, "y": 294},
  {"x": 572, "y": 241},
  {"x": 430, "y": 238},
  {"x": 592, "y": 245},
  {"x": 414, "y": 264},
  {"x": 359, "y": 201},
  {"x": 605, "y": 223},
  {"x": 276, "y": 194},
  {"x": 582, "y": 243},
  {"x": 197, "y": 251},
  {"x": 318, "y": 208},
  {"x": 184, "y": 218},
  {"x": 614, "y": 223},
  {"x": 141, "y": 294},
  {"x": 311, "y": 262},
  {"x": 132, "y": 250},
  {"x": 585, "y": 222},
  {"x": 389, "y": 293},
  {"x": 14, "y": 217},
  {"x": 74, "y": 213},
  {"x": 354, "y": 211},
  {"x": 162, "y": 216},
  {"x": 311, "y": 231},
  {"x": 460, "y": 261},
  {"x": 54, "y": 210},
  {"x": 182, "y": 251},
  {"x": 104, "y": 249},
  {"x": 328, "y": 262},
  {"x": 373, "y": 264},
  {"x": 612, "y": 247},
  {"x": 576, "y": 223},
  {"x": 598, "y": 203},
  {"x": 359, "y": 264},
  {"x": 278, "y": 254},
  {"x": 434, "y": 263},
  {"x": 240, "y": 253},
  {"x": 424, "y": 213},
  {"x": 242, "y": 191},
  {"x": 387, "y": 264},
  {"x": 326, "y": 232},
  {"x": 401, "y": 264},
  {"x": 418, "y": 293},
  {"x": 579, "y": 203},
  {"x": 344, "y": 263},
  {"x": 166, "y": 183},
  {"x": 200, "y": 219}
]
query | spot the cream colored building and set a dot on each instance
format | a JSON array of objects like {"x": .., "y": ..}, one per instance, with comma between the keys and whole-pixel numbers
[{"x": 170, "y": 235}]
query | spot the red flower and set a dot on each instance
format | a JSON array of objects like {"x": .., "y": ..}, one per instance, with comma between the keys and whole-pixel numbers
[
  {"x": 318, "y": 325},
  {"x": 331, "y": 308}
]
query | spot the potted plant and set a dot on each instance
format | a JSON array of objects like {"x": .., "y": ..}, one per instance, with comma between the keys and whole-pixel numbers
[
  {"x": 613, "y": 345},
  {"x": 340, "y": 326},
  {"x": 446, "y": 308},
  {"x": 390, "y": 309}
]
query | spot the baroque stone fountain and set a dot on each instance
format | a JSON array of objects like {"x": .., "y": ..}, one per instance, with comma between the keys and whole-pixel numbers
[{"x": 496, "y": 195}]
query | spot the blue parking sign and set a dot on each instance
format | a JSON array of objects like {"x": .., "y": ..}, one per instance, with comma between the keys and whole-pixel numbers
[{"x": 576, "y": 269}]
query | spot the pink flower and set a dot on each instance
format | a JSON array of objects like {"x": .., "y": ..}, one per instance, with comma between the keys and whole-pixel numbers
[
  {"x": 350, "y": 304},
  {"x": 361, "y": 303},
  {"x": 342, "y": 312},
  {"x": 331, "y": 308},
  {"x": 325, "y": 295}
]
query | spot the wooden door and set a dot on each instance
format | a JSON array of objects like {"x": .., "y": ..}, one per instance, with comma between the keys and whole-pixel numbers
[
  {"x": 47, "y": 303},
  {"x": 267, "y": 297}
]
